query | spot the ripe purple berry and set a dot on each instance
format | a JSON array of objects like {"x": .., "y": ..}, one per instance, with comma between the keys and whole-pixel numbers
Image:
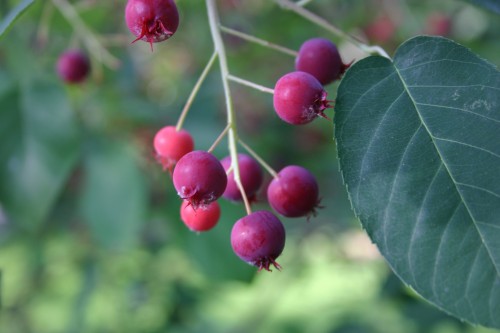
[
  {"x": 152, "y": 21},
  {"x": 73, "y": 66},
  {"x": 299, "y": 98},
  {"x": 251, "y": 178},
  {"x": 320, "y": 58},
  {"x": 294, "y": 192},
  {"x": 258, "y": 239},
  {"x": 199, "y": 178},
  {"x": 202, "y": 219}
]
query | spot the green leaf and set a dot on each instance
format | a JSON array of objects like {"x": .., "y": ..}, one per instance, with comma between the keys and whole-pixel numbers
[
  {"x": 493, "y": 5},
  {"x": 114, "y": 196},
  {"x": 419, "y": 146},
  {"x": 39, "y": 146},
  {"x": 14, "y": 14}
]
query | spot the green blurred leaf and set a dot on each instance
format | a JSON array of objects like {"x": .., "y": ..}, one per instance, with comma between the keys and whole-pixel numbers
[
  {"x": 39, "y": 146},
  {"x": 492, "y": 5},
  {"x": 114, "y": 198},
  {"x": 14, "y": 14},
  {"x": 418, "y": 142}
]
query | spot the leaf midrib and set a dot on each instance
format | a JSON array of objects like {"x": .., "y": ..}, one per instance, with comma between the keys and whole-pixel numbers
[{"x": 455, "y": 183}]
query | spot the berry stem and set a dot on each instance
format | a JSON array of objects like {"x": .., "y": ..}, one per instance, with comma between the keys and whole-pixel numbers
[
  {"x": 259, "y": 41},
  {"x": 333, "y": 29},
  {"x": 250, "y": 84},
  {"x": 195, "y": 90},
  {"x": 213, "y": 20},
  {"x": 219, "y": 138},
  {"x": 88, "y": 37},
  {"x": 259, "y": 159},
  {"x": 303, "y": 2},
  {"x": 42, "y": 35}
]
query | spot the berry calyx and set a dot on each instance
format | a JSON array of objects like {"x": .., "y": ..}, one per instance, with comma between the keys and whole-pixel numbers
[
  {"x": 199, "y": 178},
  {"x": 202, "y": 219},
  {"x": 320, "y": 58},
  {"x": 299, "y": 98},
  {"x": 294, "y": 192},
  {"x": 258, "y": 239},
  {"x": 171, "y": 144},
  {"x": 73, "y": 66},
  {"x": 250, "y": 174},
  {"x": 152, "y": 21}
]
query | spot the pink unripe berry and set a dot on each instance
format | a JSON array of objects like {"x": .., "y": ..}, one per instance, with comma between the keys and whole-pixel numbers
[
  {"x": 382, "y": 30},
  {"x": 152, "y": 21},
  {"x": 294, "y": 192},
  {"x": 199, "y": 178},
  {"x": 171, "y": 144},
  {"x": 258, "y": 239},
  {"x": 201, "y": 219},
  {"x": 250, "y": 174},
  {"x": 73, "y": 66},
  {"x": 320, "y": 58},
  {"x": 299, "y": 98}
]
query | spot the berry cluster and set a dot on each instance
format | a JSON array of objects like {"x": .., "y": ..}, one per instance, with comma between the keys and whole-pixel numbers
[{"x": 199, "y": 178}]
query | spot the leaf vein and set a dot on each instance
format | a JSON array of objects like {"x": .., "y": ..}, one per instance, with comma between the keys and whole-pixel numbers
[
  {"x": 458, "y": 109},
  {"x": 438, "y": 251},
  {"x": 403, "y": 156},
  {"x": 479, "y": 188},
  {"x": 467, "y": 145},
  {"x": 372, "y": 138},
  {"x": 441, "y": 60},
  {"x": 419, "y": 219}
]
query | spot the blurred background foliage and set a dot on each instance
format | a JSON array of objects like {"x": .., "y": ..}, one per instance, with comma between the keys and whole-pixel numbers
[{"x": 90, "y": 234}]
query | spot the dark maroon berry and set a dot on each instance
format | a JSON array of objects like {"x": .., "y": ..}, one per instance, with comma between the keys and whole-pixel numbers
[
  {"x": 171, "y": 144},
  {"x": 258, "y": 239},
  {"x": 294, "y": 192},
  {"x": 152, "y": 21},
  {"x": 320, "y": 58},
  {"x": 299, "y": 98},
  {"x": 73, "y": 66},
  {"x": 199, "y": 178},
  {"x": 202, "y": 219},
  {"x": 250, "y": 174}
]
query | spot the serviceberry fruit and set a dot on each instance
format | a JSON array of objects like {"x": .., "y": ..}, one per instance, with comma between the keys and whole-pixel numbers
[
  {"x": 73, "y": 66},
  {"x": 320, "y": 58},
  {"x": 250, "y": 174},
  {"x": 299, "y": 98},
  {"x": 152, "y": 21},
  {"x": 294, "y": 192},
  {"x": 171, "y": 144},
  {"x": 382, "y": 30},
  {"x": 199, "y": 178},
  {"x": 258, "y": 239},
  {"x": 202, "y": 219}
]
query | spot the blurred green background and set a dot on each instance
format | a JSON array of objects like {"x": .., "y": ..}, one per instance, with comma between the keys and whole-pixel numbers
[{"x": 90, "y": 234}]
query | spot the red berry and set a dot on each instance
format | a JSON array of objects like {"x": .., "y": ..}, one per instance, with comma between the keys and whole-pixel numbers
[
  {"x": 251, "y": 177},
  {"x": 258, "y": 239},
  {"x": 202, "y": 219},
  {"x": 299, "y": 98},
  {"x": 170, "y": 145},
  {"x": 294, "y": 192},
  {"x": 199, "y": 178},
  {"x": 382, "y": 30},
  {"x": 438, "y": 24},
  {"x": 320, "y": 58},
  {"x": 73, "y": 66},
  {"x": 152, "y": 21}
]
